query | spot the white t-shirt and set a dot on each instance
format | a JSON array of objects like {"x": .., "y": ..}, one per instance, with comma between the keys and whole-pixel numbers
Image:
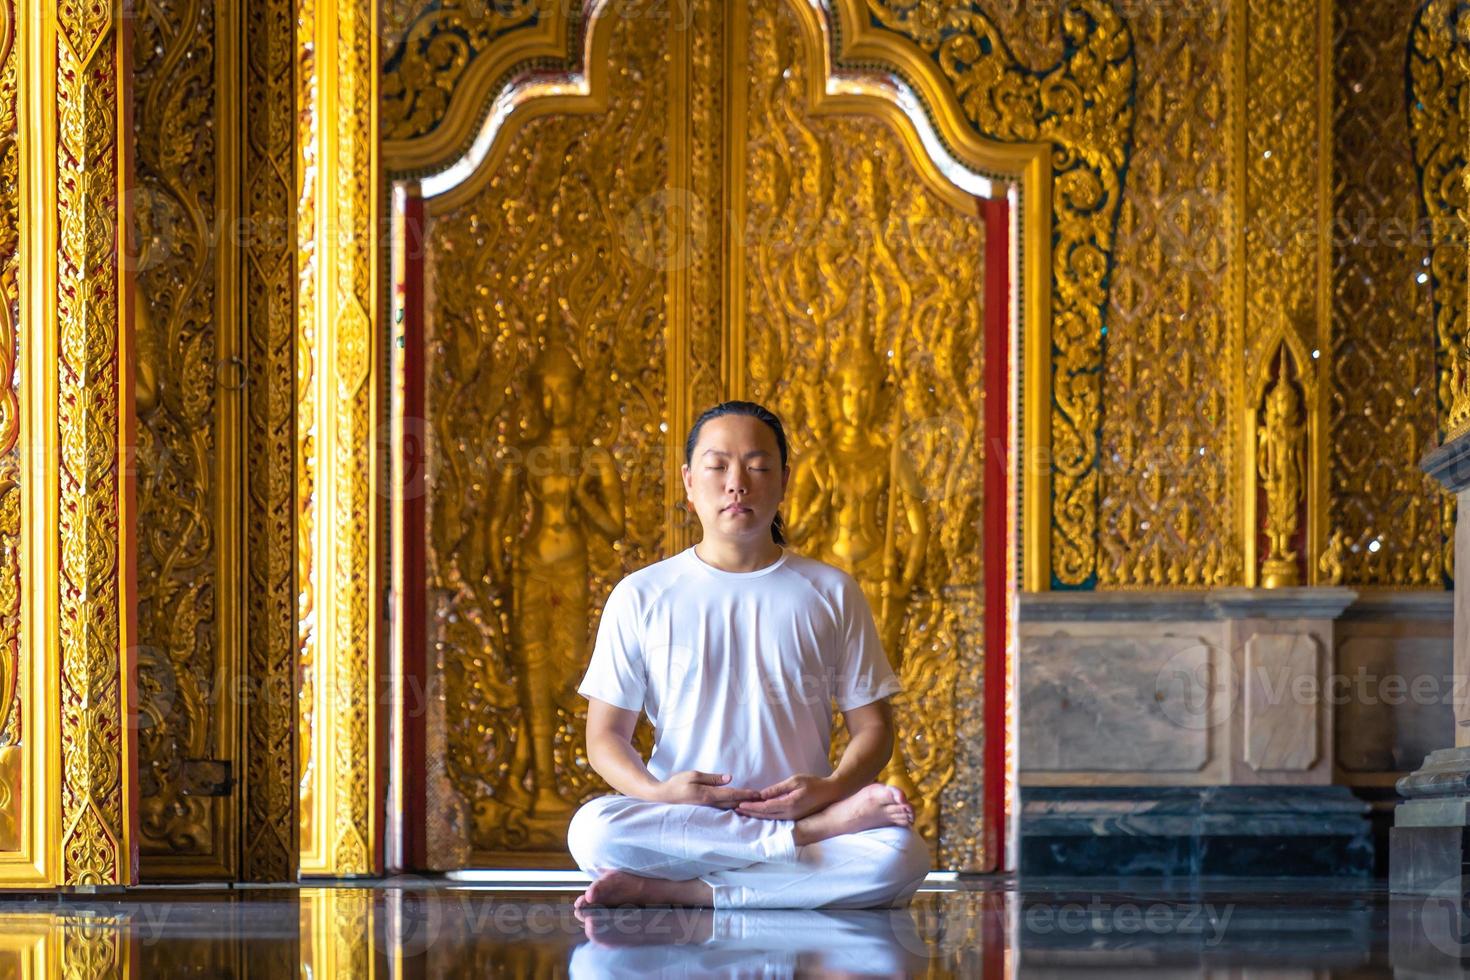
[{"x": 737, "y": 671}]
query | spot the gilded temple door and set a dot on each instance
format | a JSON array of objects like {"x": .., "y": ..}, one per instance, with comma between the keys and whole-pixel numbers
[{"x": 706, "y": 218}]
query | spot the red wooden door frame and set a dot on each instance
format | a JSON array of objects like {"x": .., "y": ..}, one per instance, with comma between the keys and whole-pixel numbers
[{"x": 995, "y": 545}]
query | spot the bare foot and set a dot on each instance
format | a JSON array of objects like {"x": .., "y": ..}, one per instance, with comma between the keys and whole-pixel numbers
[
  {"x": 872, "y": 806},
  {"x": 623, "y": 888}
]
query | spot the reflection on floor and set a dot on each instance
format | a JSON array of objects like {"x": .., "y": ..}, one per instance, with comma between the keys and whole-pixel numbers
[{"x": 969, "y": 928}]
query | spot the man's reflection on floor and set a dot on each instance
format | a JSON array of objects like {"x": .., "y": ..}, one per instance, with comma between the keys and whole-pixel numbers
[{"x": 688, "y": 942}]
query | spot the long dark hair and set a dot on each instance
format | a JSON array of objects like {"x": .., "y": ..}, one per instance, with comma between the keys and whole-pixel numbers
[{"x": 756, "y": 412}]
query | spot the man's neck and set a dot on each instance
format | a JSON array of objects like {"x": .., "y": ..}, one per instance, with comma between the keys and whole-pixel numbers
[{"x": 732, "y": 556}]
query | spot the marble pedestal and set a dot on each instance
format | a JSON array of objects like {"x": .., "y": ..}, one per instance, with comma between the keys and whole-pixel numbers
[
  {"x": 1429, "y": 846},
  {"x": 1430, "y": 841}
]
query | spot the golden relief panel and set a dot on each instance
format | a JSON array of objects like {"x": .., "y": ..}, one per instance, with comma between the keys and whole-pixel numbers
[
  {"x": 1382, "y": 414},
  {"x": 1437, "y": 131},
  {"x": 97, "y": 842},
  {"x": 863, "y": 321},
  {"x": 306, "y": 440},
  {"x": 180, "y": 664},
  {"x": 1083, "y": 105},
  {"x": 1166, "y": 513},
  {"x": 1285, "y": 300},
  {"x": 546, "y": 404},
  {"x": 12, "y": 802},
  {"x": 704, "y": 362},
  {"x": 1281, "y": 215},
  {"x": 269, "y": 845},
  {"x": 339, "y": 223},
  {"x": 353, "y": 278}
]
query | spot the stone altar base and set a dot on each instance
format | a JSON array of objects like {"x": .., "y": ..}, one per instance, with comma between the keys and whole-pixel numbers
[{"x": 1236, "y": 831}]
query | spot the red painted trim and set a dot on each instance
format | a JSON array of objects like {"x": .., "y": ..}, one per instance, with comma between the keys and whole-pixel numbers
[
  {"x": 413, "y": 710},
  {"x": 993, "y": 947},
  {"x": 996, "y": 215}
]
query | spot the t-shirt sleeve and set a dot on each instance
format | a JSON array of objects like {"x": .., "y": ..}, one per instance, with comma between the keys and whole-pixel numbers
[
  {"x": 616, "y": 673},
  {"x": 863, "y": 673}
]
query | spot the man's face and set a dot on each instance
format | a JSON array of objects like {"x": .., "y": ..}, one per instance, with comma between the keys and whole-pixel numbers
[{"x": 735, "y": 480}]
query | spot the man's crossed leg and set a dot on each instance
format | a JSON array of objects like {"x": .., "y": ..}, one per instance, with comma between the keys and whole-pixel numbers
[{"x": 860, "y": 852}]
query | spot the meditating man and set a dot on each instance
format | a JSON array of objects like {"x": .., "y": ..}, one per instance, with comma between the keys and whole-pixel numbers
[{"x": 736, "y": 648}]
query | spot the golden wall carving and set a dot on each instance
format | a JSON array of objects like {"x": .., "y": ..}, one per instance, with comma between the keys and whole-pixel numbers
[
  {"x": 1392, "y": 516},
  {"x": 1438, "y": 132},
  {"x": 269, "y": 807},
  {"x": 184, "y": 280},
  {"x": 704, "y": 378},
  {"x": 215, "y": 424},
  {"x": 547, "y": 256},
  {"x": 1083, "y": 105},
  {"x": 1168, "y": 495},
  {"x": 1282, "y": 214},
  {"x": 340, "y": 223},
  {"x": 1230, "y": 168},
  {"x": 98, "y": 843},
  {"x": 862, "y": 320},
  {"x": 12, "y": 793},
  {"x": 1283, "y": 65}
]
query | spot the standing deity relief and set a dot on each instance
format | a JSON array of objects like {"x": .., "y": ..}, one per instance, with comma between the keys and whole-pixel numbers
[
  {"x": 849, "y": 493},
  {"x": 550, "y": 501}
]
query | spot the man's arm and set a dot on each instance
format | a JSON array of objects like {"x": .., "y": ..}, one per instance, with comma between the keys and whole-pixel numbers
[
  {"x": 870, "y": 746},
  {"x": 611, "y": 753},
  {"x": 610, "y": 750},
  {"x": 870, "y": 727}
]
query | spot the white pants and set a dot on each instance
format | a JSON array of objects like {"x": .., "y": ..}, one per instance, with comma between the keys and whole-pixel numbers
[{"x": 748, "y": 862}]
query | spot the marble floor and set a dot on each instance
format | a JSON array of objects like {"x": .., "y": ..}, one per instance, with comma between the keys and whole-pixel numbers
[{"x": 983, "y": 927}]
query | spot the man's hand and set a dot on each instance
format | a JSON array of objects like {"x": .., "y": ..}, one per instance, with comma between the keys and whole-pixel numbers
[
  {"x": 704, "y": 789},
  {"x": 792, "y": 798}
]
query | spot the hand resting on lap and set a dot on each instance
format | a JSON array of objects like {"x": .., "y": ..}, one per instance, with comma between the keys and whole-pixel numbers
[
  {"x": 705, "y": 789},
  {"x": 792, "y": 798}
]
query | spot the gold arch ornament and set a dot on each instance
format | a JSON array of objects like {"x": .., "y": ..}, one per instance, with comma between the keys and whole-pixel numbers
[
  {"x": 447, "y": 57},
  {"x": 956, "y": 157}
]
